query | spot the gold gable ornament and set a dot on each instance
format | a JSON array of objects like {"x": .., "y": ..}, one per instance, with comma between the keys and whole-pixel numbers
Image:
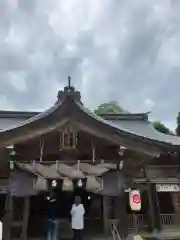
[{"x": 68, "y": 137}]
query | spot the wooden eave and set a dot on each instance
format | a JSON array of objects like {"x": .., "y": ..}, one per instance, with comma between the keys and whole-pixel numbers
[{"x": 71, "y": 110}]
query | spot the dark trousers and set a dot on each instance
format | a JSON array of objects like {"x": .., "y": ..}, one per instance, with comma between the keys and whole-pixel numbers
[
  {"x": 77, "y": 234},
  {"x": 52, "y": 230}
]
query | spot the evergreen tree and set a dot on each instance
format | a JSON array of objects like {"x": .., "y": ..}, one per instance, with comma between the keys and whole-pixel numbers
[
  {"x": 178, "y": 125},
  {"x": 160, "y": 127},
  {"x": 111, "y": 107}
]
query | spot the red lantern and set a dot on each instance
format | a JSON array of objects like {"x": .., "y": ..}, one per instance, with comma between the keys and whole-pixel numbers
[{"x": 135, "y": 200}]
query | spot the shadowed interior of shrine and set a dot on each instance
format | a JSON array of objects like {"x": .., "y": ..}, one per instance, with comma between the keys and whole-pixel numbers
[{"x": 37, "y": 222}]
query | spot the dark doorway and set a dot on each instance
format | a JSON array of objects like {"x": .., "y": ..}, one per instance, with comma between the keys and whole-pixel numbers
[{"x": 165, "y": 202}]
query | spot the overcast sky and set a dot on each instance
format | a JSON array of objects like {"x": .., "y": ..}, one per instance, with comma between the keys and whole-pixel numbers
[{"x": 121, "y": 50}]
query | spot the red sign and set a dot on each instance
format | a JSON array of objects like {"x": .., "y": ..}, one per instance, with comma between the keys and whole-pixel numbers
[{"x": 136, "y": 198}]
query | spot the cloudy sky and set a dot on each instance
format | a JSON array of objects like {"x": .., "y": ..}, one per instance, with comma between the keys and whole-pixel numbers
[{"x": 121, "y": 50}]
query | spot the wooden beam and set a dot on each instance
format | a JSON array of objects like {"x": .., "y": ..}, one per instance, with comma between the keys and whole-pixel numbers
[
  {"x": 30, "y": 134},
  {"x": 25, "y": 218}
]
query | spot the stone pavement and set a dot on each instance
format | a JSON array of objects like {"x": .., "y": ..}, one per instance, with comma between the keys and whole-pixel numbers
[
  {"x": 134, "y": 237},
  {"x": 170, "y": 234},
  {"x": 138, "y": 237}
]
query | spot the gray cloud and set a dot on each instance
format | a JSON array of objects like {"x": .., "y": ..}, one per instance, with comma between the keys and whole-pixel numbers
[{"x": 127, "y": 51}]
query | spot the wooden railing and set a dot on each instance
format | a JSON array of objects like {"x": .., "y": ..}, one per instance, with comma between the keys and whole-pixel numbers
[
  {"x": 137, "y": 222},
  {"x": 114, "y": 232},
  {"x": 170, "y": 220},
  {"x": 140, "y": 221}
]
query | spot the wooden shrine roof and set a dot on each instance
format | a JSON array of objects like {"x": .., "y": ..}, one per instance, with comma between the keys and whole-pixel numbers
[{"x": 133, "y": 131}]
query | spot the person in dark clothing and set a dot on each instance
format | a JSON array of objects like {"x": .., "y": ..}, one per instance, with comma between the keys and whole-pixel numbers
[{"x": 51, "y": 214}]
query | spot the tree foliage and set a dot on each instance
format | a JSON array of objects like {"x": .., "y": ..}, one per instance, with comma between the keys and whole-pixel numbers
[
  {"x": 178, "y": 125},
  {"x": 160, "y": 127},
  {"x": 111, "y": 107}
]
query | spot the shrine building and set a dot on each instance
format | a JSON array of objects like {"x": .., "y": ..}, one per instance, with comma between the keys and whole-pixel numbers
[{"x": 100, "y": 157}]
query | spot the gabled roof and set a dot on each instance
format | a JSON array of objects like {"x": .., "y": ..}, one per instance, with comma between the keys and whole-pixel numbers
[
  {"x": 135, "y": 124},
  {"x": 145, "y": 129},
  {"x": 131, "y": 130}
]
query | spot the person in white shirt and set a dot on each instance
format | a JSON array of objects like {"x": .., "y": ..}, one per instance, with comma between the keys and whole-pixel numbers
[
  {"x": 1, "y": 230},
  {"x": 77, "y": 218}
]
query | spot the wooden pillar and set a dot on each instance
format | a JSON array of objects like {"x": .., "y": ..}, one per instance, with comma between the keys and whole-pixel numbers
[
  {"x": 154, "y": 211},
  {"x": 105, "y": 214},
  {"x": 123, "y": 216},
  {"x": 25, "y": 218},
  {"x": 157, "y": 210},
  {"x": 117, "y": 207},
  {"x": 151, "y": 211},
  {"x": 8, "y": 217}
]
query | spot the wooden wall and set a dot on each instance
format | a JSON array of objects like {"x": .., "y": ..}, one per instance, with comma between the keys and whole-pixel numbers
[
  {"x": 4, "y": 163},
  {"x": 176, "y": 201},
  {"x": 30, "y": 150}
]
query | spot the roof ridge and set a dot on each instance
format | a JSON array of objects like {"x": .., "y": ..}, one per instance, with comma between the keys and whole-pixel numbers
[
  {"x": 129, "y": 116},
  {"x": 18, "y": 114},
  {"x": 124, "y": 113}
]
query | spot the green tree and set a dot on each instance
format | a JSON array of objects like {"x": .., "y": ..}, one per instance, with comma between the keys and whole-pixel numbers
[
  {"x": 178, "y": 125},
  {"x": 109, "y": 108},
  {"x": 160, "y": 127}
]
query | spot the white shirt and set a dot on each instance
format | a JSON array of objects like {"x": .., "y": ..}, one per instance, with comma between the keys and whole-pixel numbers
[
  {"x": 1, "y": 230},
  {"x": 77, "y": 216}
]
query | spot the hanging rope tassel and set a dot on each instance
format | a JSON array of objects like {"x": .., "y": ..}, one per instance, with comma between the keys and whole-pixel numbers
[
  {"x": 93, "y": 152},
  {"x": 57, "y": 165},
  {"x": 78, "y": 165},
  {"x": 41, "y": 150}
]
